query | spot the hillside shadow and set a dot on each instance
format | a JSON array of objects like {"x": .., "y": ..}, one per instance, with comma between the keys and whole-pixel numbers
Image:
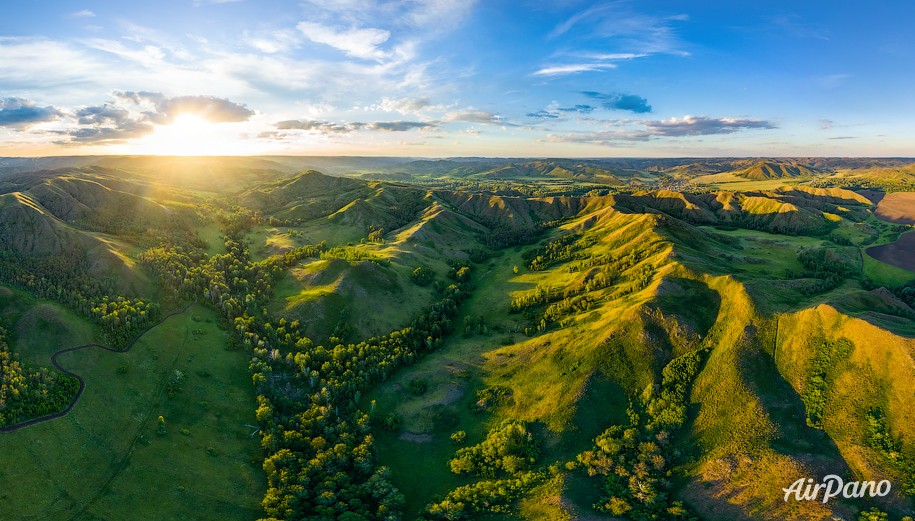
[{"x": 784, "y": 406}]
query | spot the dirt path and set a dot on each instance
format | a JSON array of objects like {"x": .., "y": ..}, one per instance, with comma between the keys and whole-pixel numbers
[{"x": 82, "y": 383}]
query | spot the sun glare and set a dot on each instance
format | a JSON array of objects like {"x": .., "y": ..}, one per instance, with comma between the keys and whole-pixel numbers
[{"x": 188, "y": 135}]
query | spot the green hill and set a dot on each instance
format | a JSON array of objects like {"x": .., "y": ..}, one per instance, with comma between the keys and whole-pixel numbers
[
  {"x": 639, "y": 354},
  {"x": 775, "y": 170}
]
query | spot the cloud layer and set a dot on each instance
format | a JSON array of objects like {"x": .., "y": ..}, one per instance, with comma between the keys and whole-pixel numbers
[
  {"x": 645, "y": 130},
  {"x": 17, "y": 112},
  {"x": 325, "y": 127}
]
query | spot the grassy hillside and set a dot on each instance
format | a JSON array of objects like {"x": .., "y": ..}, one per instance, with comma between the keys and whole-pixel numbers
[
  {"x": 597, "y": 347},
  {"x": 774, "y": 170},
  {"x": 645, "y": 351}
]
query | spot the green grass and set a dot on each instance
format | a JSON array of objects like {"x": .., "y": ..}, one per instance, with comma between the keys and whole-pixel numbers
[
  {"x": 730, "y": 182},
  {"x": 40, "y": 328},
  {"x": 884, "y": 274},
  {"x": 105, "y": 459},
  {"x": 453, "y": 375},
  {"x": 269, "y": 240},
  {"x": 212, "y": 234}
]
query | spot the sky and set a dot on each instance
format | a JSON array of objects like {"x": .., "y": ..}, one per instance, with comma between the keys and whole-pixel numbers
[{"x": 446, "y": 78}]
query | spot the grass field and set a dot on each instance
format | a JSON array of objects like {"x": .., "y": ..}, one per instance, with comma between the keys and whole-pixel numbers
[
  {"x": 884, "y": 274},
  {"x": 212, "y": 234},
  {"x": 730, "y": 182},
  {"x": 105, "y": 459},
  {"x": 452, "y": 374},
  {"x": 270, "y": 240},
  {"x": 39, "y": 328}
]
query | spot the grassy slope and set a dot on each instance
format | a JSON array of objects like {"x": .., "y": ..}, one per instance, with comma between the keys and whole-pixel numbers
[
  {"x": 104, "y": 460},
  {"x": 748, "y": 422},
  {"x": 40, "y": 327},
  {"x": 878, "y": 373}
]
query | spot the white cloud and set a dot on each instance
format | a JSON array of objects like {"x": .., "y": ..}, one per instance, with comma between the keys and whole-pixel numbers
[
  {"x": 477, "y": 116},
  {"x": 430, "y": 16},
  {"x": 274, "y": 41},
  {"x": 573, "y": 68},
  {"x": 85, "y": 13},
  {"x": 616, "y": 56},
  {"x": 440, "y": 14},
  {"x": 403, "y": 105},
  {"x": 636, "y": 35},
  {"x": 358, "y": 43},
  {"x": 648, "y": 129}
]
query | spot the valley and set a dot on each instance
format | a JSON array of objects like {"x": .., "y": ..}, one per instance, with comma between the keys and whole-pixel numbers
[{"x": 361, "y": 338}]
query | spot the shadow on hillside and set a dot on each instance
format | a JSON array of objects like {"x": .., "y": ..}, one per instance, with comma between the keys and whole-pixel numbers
[{"x": 786, "y": 409}]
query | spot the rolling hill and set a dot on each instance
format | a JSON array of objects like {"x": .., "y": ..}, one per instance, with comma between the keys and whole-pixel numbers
[{"x": 636, "y": 353}]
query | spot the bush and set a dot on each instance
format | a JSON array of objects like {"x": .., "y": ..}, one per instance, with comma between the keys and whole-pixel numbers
[
  {"x": 422, "y": 276},
  {"x": 417, "y": 386}
]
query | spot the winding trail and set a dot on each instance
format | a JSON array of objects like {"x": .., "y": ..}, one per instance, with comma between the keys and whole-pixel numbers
[{"x": 82, "y": 383}]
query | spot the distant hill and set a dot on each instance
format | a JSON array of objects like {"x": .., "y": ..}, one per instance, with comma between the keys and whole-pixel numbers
[{"x": 776, "y": 170}]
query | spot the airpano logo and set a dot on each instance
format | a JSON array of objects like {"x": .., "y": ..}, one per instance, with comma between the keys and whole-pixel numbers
[{"x": 833, "y": 486}]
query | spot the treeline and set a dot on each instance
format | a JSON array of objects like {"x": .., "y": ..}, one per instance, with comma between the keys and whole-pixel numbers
[
  {"x": 882, "y": 183},
  {"x": 828, "y": 265},
  {"x": 66, "y": 281},
  {"x": 30, "y": 393},
  {"x": 354, "y": 255},
  {"x": 547, "y": 305},
  {"x": 634, "y": 461},
  {"x": 826, "y": 355},
  {"x": 554, "y": 252},
  {"x": 319, "y": 454},
  {"x": 889, "y": 447},
  {"x": 319, "y": 448}
]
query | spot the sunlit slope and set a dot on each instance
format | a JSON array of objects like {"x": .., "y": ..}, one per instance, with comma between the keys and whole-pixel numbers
[
  {"x": 629, "y": 283},
  {"x": 98, "y": 217},
  {"x": 551, "y": 169},
  {"x": 29, "y": 230},
  {"x": 775, "y": 170}
]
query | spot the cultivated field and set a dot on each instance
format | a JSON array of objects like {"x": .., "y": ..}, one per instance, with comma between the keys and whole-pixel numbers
[
  {"x": 900, "y": 253},
  {"x": 897, "y": 208}
]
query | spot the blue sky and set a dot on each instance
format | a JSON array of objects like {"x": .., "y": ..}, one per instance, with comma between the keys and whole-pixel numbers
[{"x": 457, "y": 78}]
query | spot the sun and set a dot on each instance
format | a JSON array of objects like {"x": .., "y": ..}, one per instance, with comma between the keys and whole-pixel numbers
[{"x": 189, "y": 135}]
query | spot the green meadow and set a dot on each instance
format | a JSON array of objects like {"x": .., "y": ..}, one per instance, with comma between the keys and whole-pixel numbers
[{"x": 108, "y": 456}]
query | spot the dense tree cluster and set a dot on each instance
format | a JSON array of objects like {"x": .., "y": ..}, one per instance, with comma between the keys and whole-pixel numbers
[
  {"x": 311, "y": 425},
  {"x": 122, "y": 319},
  {"x": 826, "y": 355},
  {"x": 634, "y": 460},
  {"x": 880, "y": 439},
  {"x": 555, "y": 252},
  {"x": 504, "y": 236},
  {"x": 26, "y": 393},
  {"x": 354, "y": 255},
  {"x": 488, "y": 496},
  {"x": 508, "y": 449},
  {"x": 829, "y": 266},
  {"x": 422, "y": 276},
  {"x": 506, "y": 460},
  {"x": 885, "y": 183}
]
